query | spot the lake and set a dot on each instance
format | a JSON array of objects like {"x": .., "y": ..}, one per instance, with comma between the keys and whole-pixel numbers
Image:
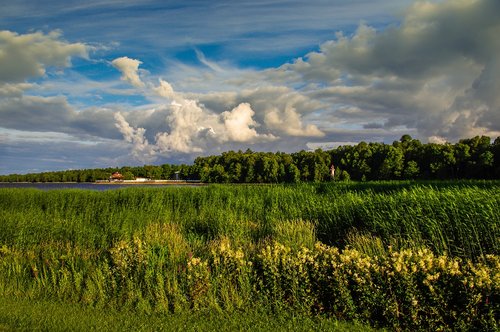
[{"x": 88, "y": 186}]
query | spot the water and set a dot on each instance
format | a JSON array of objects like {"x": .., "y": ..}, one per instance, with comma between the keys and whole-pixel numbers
[{"x": 88, "y": 186}]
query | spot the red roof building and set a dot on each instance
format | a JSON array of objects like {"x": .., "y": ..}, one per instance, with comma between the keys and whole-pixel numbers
[{"x": 116, "y": 176}]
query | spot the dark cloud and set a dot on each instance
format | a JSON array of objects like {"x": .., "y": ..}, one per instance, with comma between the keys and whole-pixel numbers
[
  {"x": 33, "y": 155},
  {"x": 438, "y": 71},
  {"x": 55, "y": 114}
]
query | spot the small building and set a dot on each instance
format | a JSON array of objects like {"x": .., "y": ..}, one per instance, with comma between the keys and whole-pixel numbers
[
  {"x": 140, "y": 179},
  {"x": 116, "y": 176}
]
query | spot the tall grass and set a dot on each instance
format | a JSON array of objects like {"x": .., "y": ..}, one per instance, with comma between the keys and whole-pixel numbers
[{"x": 460, "y": 220}]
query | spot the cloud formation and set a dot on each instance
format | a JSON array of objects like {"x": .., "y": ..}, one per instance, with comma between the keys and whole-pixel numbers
[
  {"x": 437, "y": 71},
  {"x": 141, "y": 149},
  {"x": 189, "y": 127},
  {"x": 26, "y": 56},
  {"x": 429, "y": 75},
  {"x": 279, "y": 109},
  {"x": 129, "y": 69}
]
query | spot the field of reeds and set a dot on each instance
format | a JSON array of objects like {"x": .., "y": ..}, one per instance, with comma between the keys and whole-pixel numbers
[{"x": 401, "y": 255}]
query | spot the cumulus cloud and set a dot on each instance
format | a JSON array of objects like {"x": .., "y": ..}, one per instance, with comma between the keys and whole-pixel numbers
[
  {"x": 141, "y": 150},
  {"x": 129, "y": 69},
  {"x": 165, "y": 90},
  {"x": 279, "y": 109},
  {"x": 239, "y": 123},
  {"x": 289, "y": 122},
  {"x": 437, "y": 140},
  {"x": 28, "y": 55},
  {"x": 189, "y": 127},
  {"x": 187, "y": 122}
]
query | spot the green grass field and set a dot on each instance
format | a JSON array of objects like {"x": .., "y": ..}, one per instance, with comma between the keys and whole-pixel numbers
[
  {"x": 400, "y": 255},
  {"x": 25, "y": 315}
]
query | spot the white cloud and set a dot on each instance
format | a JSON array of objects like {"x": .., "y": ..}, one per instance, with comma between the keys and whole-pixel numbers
[
  {"x": 187, "y": 120},
  {"x": 189, "y": 127},
  {"x": 129, "y": 69},
  {"x": 141, "y": 150},
  {"x": 239, "y": 123},
  {"x": 289, "y": 122},
  {"x": 437, "y": 140},
  {"x": 14, "y": 89},
  {"x": 165, "y": 90},
  {"x": 28, "y": 55},
  {"x": 279, "y": 109}
]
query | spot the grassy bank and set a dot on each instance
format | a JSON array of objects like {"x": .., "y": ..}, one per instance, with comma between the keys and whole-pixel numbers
[
  {"x": 28, "y": 315},
  {"x": 402, "y": 255}
]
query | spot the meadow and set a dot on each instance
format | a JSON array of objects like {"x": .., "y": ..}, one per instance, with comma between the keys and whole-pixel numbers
[{"x": 400, "y": 255}]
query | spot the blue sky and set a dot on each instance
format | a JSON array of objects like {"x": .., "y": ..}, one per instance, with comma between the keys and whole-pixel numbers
[{"x": 110, "y": 83}]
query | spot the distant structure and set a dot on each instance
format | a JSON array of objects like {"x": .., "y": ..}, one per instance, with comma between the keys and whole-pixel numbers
[
  {"x": 116, "y": 176},
  {"x": 139, "y": 179},
  {"x": 176, "y": 175},
  {"x": 332, "y": 172}
]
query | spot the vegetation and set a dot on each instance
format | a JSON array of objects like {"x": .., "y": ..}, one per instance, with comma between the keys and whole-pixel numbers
[
  {"x": 404, "y": 255},
  {"x": 474, "y": 158},
  {"x": 44, "y": 315}
]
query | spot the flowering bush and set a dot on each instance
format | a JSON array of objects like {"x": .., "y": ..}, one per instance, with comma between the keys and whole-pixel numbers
[{"x": 410, "y": 289}]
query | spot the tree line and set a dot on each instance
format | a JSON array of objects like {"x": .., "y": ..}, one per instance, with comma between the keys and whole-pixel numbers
[{"x": 408, "y": 158}]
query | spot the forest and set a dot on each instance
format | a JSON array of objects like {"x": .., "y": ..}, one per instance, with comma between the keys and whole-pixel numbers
[{"x": 406, "y": 159}]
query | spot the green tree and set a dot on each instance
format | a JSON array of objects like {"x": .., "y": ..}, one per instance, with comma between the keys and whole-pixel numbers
[
  {"x": 392, "y": 166},
  {"x": 293, "y": 174},
  {"x": 411, "y": 171},
  {"x": 128, "y": 175}
]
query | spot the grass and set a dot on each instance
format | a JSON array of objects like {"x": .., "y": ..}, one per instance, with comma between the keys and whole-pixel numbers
[
  {"x": 28, "y": 315},
  {"x": 459, "y": 219},
  {"x": 403, "y": 255}
]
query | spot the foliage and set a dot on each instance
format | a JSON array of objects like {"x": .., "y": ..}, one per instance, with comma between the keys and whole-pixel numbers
[
  {"x": 474, "y": 158},
  {"x": 406, "y": 289}
]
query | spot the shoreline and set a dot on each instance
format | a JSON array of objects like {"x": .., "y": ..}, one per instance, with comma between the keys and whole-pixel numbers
[
  {"x": 173, "y": 182},
  {"x": 105, "y": 182}
]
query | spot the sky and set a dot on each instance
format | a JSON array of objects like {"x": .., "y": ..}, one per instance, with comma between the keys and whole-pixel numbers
[{"x": 92, "y": 84}]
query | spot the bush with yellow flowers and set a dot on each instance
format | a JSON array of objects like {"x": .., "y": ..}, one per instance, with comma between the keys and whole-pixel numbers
[
  {"x": 410, "y": 289},
  {"x": 405, "y": 289},
  {"x": 231, "y": 274}
]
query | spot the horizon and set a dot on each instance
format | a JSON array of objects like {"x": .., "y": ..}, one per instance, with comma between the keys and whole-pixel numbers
[{"x": 129, "y": 82}]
